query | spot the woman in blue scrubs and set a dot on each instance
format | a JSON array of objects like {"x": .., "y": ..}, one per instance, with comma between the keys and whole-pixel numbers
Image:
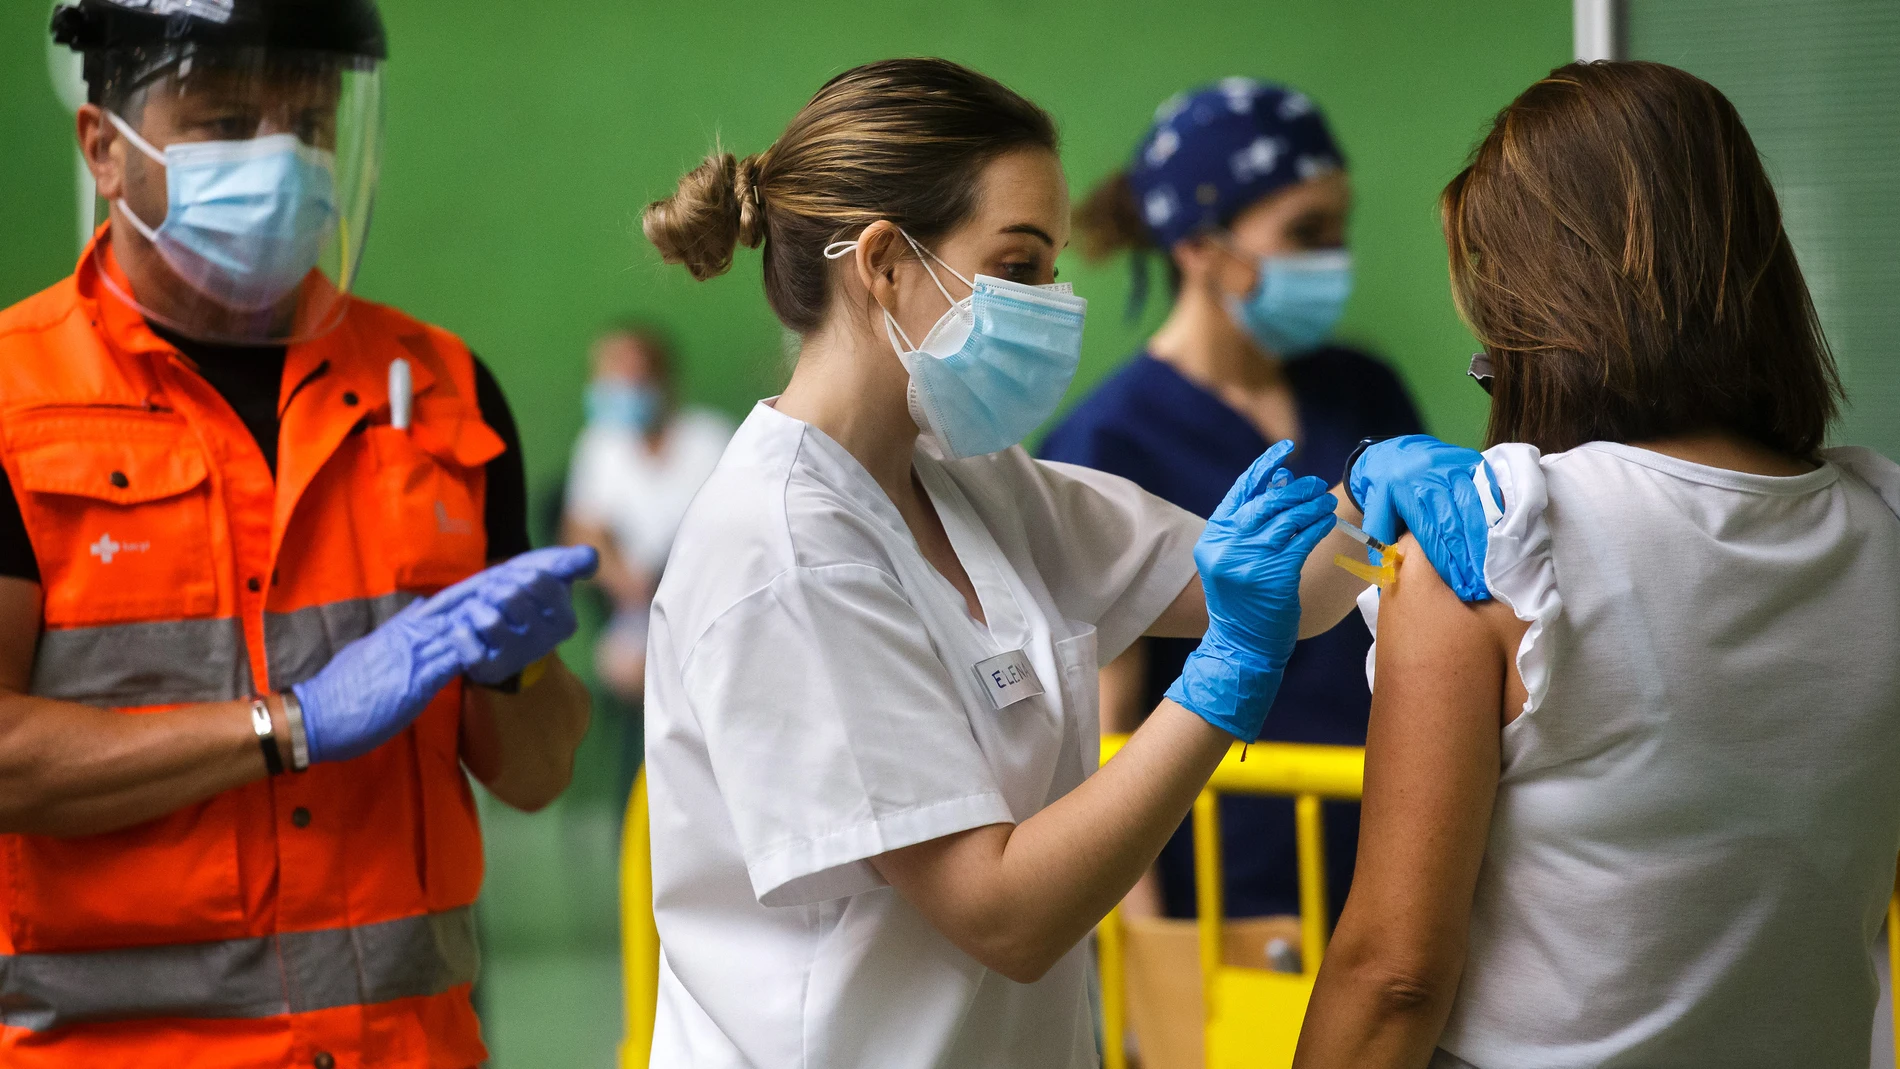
[{"x": 1242, "y": 190}]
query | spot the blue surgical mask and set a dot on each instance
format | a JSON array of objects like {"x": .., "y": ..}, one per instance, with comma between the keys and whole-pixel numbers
[
  {"x": 994, "y": 366},
  {"x": 1297, "y": 301},
  {"x": 245, "y": 221},
  {"x": 624, "y": 405}
]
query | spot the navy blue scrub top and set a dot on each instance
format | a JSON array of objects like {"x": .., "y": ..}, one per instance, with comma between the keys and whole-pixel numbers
[{"x": 1176, "y": 440}]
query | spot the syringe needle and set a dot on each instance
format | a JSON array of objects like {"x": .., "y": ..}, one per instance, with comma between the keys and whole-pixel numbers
[{"x": 1362, "y": 538}]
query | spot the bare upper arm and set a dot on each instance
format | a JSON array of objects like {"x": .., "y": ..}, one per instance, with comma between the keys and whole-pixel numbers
[
  {"x": 1432, "y": 759},
  {"x": 1124, "y": 690},
  {"x": 931, "y": 874},
  {"x": 19, "y": 631},
  {"x": 951, "y": 880},
  {"x": 1185, "y": 616}
]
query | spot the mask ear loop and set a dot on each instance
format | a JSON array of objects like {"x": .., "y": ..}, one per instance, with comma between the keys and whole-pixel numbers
[
  {"x": 1223, "y": 240},
  {"x": 840, "y": 249},
  {"x": 131, "y": 135},
  {"x": 923, "y": 252}
]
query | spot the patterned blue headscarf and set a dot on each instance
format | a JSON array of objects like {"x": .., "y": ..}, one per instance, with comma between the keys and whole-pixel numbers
[{"x": 1215, "y": 150}]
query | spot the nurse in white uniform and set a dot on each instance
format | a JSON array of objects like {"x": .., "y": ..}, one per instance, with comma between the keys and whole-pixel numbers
[{"x": 877, "y": 842}]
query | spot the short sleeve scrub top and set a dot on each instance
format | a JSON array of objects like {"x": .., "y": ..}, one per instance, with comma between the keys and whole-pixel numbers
[
  {"x": 818, "y": 694},
  {"x": 1177, "y": 440}
]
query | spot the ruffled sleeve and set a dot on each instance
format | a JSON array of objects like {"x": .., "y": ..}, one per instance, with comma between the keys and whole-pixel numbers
[
  {"x": 1369, "y": 609},
  {"x": 1517, "y": 562},
  {"x": 1876, "y": 471}
]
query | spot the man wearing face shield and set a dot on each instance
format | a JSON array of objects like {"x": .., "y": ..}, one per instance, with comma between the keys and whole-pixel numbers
[{"x": 265, "y": 588}]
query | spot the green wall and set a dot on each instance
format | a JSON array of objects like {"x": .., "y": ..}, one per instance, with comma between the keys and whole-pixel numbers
[
  {"x": 1818, "y": 84},
  {"x": 38, "y": 217},
  {"x": 523, "y": 141}
]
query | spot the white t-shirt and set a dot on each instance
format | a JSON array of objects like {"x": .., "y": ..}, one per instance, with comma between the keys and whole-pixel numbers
[
  {"x": 814, "y": 700},
  {"x": 1698, "y": 809},
  {"x": 641, "y": 496}
]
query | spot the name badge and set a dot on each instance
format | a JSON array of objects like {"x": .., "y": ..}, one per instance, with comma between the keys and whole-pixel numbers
[{"x": 1008, "y": 678}]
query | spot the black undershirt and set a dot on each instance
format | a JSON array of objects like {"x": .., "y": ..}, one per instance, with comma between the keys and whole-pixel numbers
[{"x": 249, "y": 378}]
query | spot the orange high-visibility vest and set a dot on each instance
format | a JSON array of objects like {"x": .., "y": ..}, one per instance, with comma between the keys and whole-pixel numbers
[{"x": 313, "y": 919}]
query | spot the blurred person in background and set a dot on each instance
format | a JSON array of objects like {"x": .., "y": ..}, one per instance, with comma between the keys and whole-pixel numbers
[
  {"x": 1242, "y": 190},
  {"x": 638, "y": 463}
]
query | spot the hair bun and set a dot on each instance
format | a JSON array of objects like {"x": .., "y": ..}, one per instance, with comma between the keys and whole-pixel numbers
[
  {"x": 748, "y": 189},
  {"x": 718, "y": 206}
]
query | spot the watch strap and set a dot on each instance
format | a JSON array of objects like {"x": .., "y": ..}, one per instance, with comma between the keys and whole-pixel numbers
[
  {"x": 523, "y": 679},
  {"x": 1345, "y": 478},
  {"x": 266, "y": 736}
]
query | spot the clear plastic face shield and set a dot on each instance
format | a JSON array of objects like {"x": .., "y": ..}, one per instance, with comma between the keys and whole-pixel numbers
[{"x": 247, "y": 176}]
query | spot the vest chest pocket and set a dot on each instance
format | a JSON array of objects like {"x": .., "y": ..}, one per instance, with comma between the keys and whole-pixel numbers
[
  {"x": 119, "y": 512},
  {"x": 431, "y": 482}
]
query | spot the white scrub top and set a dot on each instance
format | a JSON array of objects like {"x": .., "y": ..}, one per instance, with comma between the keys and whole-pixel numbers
[{"x": 814, "y": 700}]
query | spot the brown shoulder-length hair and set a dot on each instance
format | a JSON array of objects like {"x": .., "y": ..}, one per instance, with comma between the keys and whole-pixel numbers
[{"x": 1617, "y": 247}]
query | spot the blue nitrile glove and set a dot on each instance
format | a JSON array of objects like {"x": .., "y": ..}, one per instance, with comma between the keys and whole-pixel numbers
[
  {"x": 1422, "y": 485},
  {"x": 524, "y": 607},
  {"x": 1250, "y": 558},
  {"x": 375, "y": 686}
]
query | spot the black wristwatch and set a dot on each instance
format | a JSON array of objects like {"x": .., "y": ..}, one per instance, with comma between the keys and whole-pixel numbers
[
  {"x": 1345, "y": 478},
  {"x": 511, "y": 685}
]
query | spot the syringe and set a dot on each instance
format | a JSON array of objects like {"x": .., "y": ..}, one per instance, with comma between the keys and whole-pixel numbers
[
  {"x": 1383, "y": 574},
  {"x": 1362, "y": 538}
]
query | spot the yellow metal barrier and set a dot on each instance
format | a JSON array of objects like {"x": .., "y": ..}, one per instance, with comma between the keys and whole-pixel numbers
[
  {"x": 1252, "y": 1015},
  {"x": 639, "y": 940},
  {"x": 1893, "y": 966}
]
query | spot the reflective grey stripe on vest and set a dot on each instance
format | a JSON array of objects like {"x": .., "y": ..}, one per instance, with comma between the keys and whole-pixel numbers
[
  {"x": 169, "y": 661},
  {"x": 295, "y": 972},
  {"x": 155, "y": 663},
  {"x": 298, "y": 644}
]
